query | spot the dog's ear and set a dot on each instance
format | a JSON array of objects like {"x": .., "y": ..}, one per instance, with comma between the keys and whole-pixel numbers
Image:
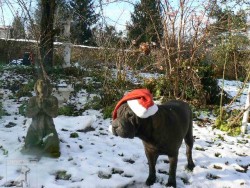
[{"x": 125, "y": 123}]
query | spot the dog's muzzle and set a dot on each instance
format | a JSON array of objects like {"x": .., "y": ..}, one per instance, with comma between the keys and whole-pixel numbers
[{"x": 113, "y": 127}]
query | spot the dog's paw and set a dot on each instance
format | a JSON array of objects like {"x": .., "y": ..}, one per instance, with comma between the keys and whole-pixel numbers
[
  {"x": 150, "y": 180},
  {"x": 171, "y": 184},
  {"x": 189, "y": 167}
]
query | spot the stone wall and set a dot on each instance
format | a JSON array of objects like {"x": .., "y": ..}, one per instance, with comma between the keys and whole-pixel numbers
[{"x": 14, "y": 49}]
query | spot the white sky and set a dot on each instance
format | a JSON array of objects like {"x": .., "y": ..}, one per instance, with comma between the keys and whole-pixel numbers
[
  {"x": 10, "y": 8},
  {"x": 117, "y": 13}
]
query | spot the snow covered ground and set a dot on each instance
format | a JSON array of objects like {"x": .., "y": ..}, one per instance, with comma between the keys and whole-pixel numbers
[{"x": 98, "y": 159}]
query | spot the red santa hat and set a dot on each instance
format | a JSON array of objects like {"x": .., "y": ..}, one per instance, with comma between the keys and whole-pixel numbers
[{"x": 140, "y": 101}]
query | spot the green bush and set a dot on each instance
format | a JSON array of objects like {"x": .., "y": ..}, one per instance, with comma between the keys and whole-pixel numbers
[
  {"x": 158, "y": 86},
  {"x": 229, "y": 122},
  {"x": 22, "y": 70},
  {"x": 94, "y": 103},
  {"x": 25, "y": 90},
  {"x": 74, "y": 135},
  {"x": 22, "y": 108},
  {"x": 62, "y": 175},
  {"x": 210, "y": 85},
  {"x": 233, "y": 50},
  {"x": 2, "y": 111},
  {"x": 67, "y": 110},
  {"x": 107, "y": 111}
]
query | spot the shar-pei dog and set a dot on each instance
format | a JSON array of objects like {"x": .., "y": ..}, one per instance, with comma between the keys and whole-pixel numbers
[{"x": 161, "y": 128}]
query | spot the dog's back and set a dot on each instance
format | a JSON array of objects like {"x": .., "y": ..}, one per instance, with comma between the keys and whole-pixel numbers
[
  {"x": 177, "y": 112},
  {"x": 171, "y": 124},
  {"x": 180, "y": 108}
]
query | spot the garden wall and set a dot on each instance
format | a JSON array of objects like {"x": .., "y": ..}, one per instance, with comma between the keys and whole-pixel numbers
[{"x": 14, "y": 49}]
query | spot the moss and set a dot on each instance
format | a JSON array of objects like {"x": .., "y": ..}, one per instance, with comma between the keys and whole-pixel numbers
[
  {"x": 74, "y": 135},
  {"x": 221, "y": 138},
  {"x": 5, "y": 151},
  {"x": 217, "y": 155},
  {"x": 62, "y": 175}
]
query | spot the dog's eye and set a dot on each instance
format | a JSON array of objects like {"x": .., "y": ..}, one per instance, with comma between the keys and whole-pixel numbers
[{"x": 129, "y": 114}]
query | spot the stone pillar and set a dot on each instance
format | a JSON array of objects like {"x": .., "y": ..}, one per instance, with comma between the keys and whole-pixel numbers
[
  {"x": 67, "y": 43},
  {"x": 67, "y": 54}
]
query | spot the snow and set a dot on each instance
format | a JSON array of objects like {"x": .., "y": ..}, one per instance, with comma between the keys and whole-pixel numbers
[
  {"x": 99, "y": 159},
  {"x": 233, "y": 88}
]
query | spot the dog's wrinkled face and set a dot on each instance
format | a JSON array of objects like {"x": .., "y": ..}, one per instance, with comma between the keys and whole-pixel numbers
[{"x": 126, "y": 122}]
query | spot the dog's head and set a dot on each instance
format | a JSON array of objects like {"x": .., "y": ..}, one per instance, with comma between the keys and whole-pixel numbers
[{"x": 126, "y": 123}]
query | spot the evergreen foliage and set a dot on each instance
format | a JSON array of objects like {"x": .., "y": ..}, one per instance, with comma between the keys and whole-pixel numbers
[
  {"x": 146, "y": 23},
  {"x": 107, "y": 36},
  {"x": 17, "y": 30},
  {"x": 84, "y": 17},
  {"x": 227, "y": 20}
]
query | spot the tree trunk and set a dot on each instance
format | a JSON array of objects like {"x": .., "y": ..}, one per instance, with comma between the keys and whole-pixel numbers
[{"x": 47, "y": 33}]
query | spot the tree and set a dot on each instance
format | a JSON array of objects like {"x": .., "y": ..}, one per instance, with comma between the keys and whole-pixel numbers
[
  {"x": 146, "y": 23},
  {"x": 84, "y": 17},
  {"x": 18, "y": 29},
  {"x": 107, "y": 36},
  {"x": 226, "y": 20},
  {"x": 47, "y": 32},
  {"x": 230, "y": 41}
]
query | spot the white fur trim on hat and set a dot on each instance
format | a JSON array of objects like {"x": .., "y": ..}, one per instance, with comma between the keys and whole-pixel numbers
[{"x": 140, "y": 110}]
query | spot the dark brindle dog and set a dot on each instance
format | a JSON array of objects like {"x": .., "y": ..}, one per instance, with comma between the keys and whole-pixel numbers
[{"x": 161, "y": 133}]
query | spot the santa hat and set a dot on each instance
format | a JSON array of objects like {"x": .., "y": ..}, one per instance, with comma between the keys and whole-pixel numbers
[{"x": 140, "y": 101}]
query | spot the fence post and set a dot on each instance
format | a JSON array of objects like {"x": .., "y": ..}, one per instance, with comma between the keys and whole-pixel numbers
[{"x": 246, "y": 113}]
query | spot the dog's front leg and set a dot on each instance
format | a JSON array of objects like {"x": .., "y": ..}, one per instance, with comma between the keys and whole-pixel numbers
[
  {"x": 152, "y": 158},
  {"x": 172, "y": 170}
]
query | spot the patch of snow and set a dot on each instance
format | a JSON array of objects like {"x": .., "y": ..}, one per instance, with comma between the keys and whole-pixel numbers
[{"x": 99, "y": 159}]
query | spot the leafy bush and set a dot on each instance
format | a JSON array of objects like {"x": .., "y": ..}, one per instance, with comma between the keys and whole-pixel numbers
[
  {"x": 159, "y": 87},
  {"x": 22, "y": 108},
  {"x": 67, "y": 110},
  {"x": 26, "y": 89},
  {"x": 234, "y": 52},
  {"x": 2, "y": 111},
  {"x": 111, "y": 92},
  {"x": 74, "y": 135},
  {"x": 200, "y": 86},
  {"x": 107, "y": 111},
  {"x": 94, "y": 103},
  {"x": 22, "y": 70},
  {"x": 210, "y": 85},
  {"x": 229, "y": 121}
]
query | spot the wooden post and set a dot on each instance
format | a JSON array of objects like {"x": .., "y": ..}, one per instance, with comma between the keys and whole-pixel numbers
[{"x": 246, "y": 113}]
